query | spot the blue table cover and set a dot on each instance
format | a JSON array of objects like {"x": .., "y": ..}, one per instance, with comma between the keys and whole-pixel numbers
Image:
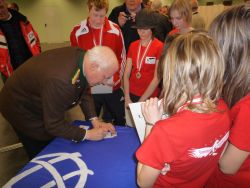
[{"x": 109, "y": 163}]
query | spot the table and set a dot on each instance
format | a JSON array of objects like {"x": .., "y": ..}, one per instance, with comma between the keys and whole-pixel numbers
[{"x": 109, "y": 163}]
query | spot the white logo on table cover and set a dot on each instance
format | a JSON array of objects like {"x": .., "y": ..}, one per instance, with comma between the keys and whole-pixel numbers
[
  {"x": 58, "y": 181},
  {"x": 204, "y": 152}
]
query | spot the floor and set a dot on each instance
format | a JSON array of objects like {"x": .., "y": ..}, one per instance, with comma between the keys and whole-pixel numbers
[{"x": 12, "y": 154}]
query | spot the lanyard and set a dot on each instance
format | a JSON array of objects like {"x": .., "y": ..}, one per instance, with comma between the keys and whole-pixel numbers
[
  {"x": 100, "y": 37},
  {"x": 196, "y": 100},
  {"x": 139, "y": 62}
]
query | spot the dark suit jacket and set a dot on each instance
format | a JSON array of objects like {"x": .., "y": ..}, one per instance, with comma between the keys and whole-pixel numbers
[{"x": 35, "y": 98}]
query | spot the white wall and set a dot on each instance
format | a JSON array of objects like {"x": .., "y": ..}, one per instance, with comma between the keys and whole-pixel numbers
[{"x": 54, "y": 19}]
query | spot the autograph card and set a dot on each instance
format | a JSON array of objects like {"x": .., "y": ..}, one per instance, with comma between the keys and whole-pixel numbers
[
  {"x": 109, "y": 135},
  {"x": 139, "y": 120}
]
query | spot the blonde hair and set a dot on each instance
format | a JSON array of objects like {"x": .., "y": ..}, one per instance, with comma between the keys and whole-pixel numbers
[
  {"x": 193, "y": 66},
  {"x": 184, "y": 9},
  {"x": 231, "y": 29},
  {"x": 99, "y": 4}
]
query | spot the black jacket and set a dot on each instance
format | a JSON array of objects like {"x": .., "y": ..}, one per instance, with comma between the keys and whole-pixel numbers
[{"x": 129, "y": 34}]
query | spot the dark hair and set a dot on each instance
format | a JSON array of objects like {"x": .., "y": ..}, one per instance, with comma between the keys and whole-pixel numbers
[
  {"x": 13, "y": 6},
  {"x": 231, "y": 29},
  {"x": 167, "y": 43}
]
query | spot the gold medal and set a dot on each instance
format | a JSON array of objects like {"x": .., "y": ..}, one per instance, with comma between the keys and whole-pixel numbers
[
  {"x": 139, "y": 62},
  {"x": 138, "y": 75}
]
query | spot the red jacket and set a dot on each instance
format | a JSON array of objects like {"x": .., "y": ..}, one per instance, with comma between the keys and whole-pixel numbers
[
  {"x": 82, "y": 37},
  {"x": 31, "y": 39}
]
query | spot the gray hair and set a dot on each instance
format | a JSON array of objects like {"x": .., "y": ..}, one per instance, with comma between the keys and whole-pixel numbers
[
  {"x": 102, "y": 55},
  {"x": 156, "y": 4}
]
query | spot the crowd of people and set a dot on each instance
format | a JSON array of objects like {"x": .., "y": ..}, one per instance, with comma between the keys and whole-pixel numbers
[{"x": 141, "y": 52}]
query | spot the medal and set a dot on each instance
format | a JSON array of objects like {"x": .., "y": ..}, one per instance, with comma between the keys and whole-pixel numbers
[
  {"x": 139, "y": 61},
  {"x": 138, "y": 75}
]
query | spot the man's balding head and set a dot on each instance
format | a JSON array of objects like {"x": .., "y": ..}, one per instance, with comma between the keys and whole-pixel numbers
[{"x": 100, "y": 63}]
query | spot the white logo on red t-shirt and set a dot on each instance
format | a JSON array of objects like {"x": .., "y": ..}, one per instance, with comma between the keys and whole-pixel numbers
[{"x": 206, "y": 151}]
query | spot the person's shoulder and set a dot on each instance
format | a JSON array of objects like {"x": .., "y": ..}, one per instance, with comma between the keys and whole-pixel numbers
[
  {"x": 63, "y": 51},
  {"x": 174, "y": 31},
  {"x": 243, "y": 103},
  {"x": 171, "y": 123},
  {"x": 112, "y": 24},
  {"x": 221, "y": 105},
  {"x": 18, "y": 16},
  {"x": 246, "y": 99},
  {"x": 133, "y": 46},
  {"x": 157, "y": 42},
  {"x": 135, "y": 43},
  {"x": 119, "y": 8},
  {"x": 112, "y": 28},
  {"x": 76, "y": 27},
  {"x": 82, "y": 23}
]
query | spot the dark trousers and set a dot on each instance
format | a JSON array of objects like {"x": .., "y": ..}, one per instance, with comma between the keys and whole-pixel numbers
[
  {"x": 134, "y": 98},
  {"x": 113, "y": 103},
  {"x": 31, "y": 146}
]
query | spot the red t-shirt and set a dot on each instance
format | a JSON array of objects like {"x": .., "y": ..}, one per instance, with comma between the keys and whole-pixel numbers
[
  {"x": 239, "y": 137},
  {"x": 174, "y": 31},
  {"x": 191, "y": 143},
  {"x": 138, "y": 86}
]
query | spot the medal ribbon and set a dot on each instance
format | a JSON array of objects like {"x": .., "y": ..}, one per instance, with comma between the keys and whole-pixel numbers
[
  {"x": 139, "y": 62},
  {"x": 196, "y": 100},
  {"x": 100, "y": 37}
]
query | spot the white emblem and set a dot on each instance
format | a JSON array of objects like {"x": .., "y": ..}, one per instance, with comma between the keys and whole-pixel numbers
[
  {"x": 206, "y": 151},
  {"x": 48, "y": 162},
  {"x": 31, "y": 36}
]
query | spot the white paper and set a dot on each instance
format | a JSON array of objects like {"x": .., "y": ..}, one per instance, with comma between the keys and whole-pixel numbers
[
  {"x": 140, "y": 123},
  {"x": 139, "y": 120}
]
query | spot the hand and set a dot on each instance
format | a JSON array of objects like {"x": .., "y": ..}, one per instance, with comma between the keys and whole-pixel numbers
[
  {"x": 127, "y": 101},
  {"x": 96, "y": 134},
  {"x": 122, "y": 19},
  {"x": 133, "y": 16},
  {"x": 107, "y": 126},
  {"x": 151, "y": 111}
]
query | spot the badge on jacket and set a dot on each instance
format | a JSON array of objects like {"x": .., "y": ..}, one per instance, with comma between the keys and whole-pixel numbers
[{"x": 75, "y": 76}]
